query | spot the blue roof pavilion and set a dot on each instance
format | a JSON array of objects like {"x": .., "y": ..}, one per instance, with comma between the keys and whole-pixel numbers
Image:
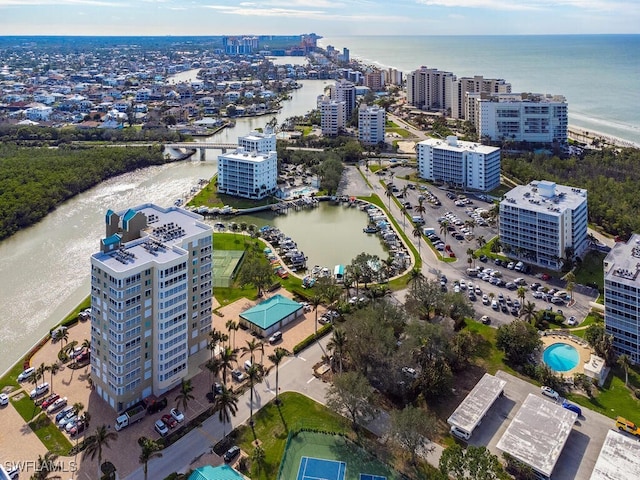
[{"x": 271, "y": 315}]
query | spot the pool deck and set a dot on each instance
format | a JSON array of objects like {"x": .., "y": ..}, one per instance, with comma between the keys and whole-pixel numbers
[{"x": 584, "y": 351}]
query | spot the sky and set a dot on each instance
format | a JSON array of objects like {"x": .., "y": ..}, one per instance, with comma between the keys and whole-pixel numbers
[{"x": 324, "y": 17}]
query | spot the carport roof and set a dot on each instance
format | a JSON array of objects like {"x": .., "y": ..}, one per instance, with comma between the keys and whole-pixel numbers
[
  {"x": 476, "y": 404},
  {"x": 538, "y": 433},
  {"x": 619, "y": 458},
  {"x": 271, "y": 311}
]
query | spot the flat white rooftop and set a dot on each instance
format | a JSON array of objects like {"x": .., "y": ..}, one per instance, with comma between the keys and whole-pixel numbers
[
  {"x": 244, "y": 156},
  {"x": 619, "y": 458},
  {"x": 545, "y": 197},
  {"x": 476, "y": 404},
  {"x": 538, "y": 433},
  {"x": 452, "y": 144},
  {"x": 622, "y": 263}
]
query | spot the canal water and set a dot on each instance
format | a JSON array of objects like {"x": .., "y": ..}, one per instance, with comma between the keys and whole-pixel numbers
[{"x": 44, "y": 269}]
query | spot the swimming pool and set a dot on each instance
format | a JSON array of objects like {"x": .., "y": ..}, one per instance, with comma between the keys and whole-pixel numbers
[{"x": 561, "y": 357}]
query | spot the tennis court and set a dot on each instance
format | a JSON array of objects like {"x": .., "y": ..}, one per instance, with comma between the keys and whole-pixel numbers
[
  {"x": 225, "y": 266},
  {"x": 367, "y": 476},
  {"x": 320, "y": 469}
]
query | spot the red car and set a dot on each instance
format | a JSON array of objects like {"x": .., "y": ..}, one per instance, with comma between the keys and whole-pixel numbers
[
  {"x": 169, "y": 421},
  {"x": 546, "y": 276},
  {"x": 49, "y": 400}
]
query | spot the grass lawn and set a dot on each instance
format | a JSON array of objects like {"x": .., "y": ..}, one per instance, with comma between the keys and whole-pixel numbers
[
  {"x": 590, "y": 270},
  {"x": 306, "y": 130},
  {"x": 272, "y": 425},
  {"x": 390, "y": 124},
  {"x": 210, "y": 197},
  {"x": 45, "y": 430},
  {"x": 400, "y": 131},
  {"x": 489, "y": 357}
]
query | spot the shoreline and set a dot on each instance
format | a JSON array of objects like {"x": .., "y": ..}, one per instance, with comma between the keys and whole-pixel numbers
[{"x": 583, "y": 135}]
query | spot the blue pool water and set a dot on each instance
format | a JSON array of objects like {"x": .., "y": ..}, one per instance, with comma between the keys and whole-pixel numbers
[{"x": 561, "y": 357}]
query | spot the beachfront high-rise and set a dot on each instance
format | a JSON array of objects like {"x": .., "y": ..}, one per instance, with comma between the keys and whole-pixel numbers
[
  {"x": 151, "y": 291},
  {"x": 251, "y": 171},
  {"x": 333, "y": 116},
  {"x": 622, "y": 297},
  {"x": 477, "y": 84},
  {"x": 463, "y": 164},
  {"x": 371, "y": 123},
  {"x": 429, "y": 89},
  {"x": 344, "y": 91},
  {"x": 530, "y": 117},
  {"x": 541, "y": 223}
]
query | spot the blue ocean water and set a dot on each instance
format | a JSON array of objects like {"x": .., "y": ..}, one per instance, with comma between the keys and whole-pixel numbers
[{"x": 598, "y": 74}]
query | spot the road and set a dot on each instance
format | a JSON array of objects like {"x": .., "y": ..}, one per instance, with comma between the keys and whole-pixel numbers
[{"x": 295, "y": 375}]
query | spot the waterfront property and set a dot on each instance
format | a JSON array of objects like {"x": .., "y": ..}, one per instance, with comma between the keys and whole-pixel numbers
[
  {"x": 459, "y": 163},
  {"x": 151, "y": 294},
  {"x": 333, "y": 115},
  {"x": 271, "y": 315},
  {"x": 622, "y": 297},
  {"x": 371, "y": 122},
  {"x": 538, "y": 433},
  {"x": 541, "y": 223}
]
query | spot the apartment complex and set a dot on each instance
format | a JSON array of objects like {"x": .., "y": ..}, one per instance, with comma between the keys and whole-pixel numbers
[
  {"x": 375, "y": 80},
  {"x": 371, "y": 123},
  {"x": 344, "y": 91},
  {"x": 540, "y": 223},
  {"x": 333, "y": 115},
  {"x": 429, "y": 89},
  {"x": 463, "y": 164},
  {"x": 622, "y": 297},
  {"x": 151, "y": 291},
  {"x": 530, "y": 117},
  {"x": 460, "y": 87},
  {"x": 251, "y": 171}
]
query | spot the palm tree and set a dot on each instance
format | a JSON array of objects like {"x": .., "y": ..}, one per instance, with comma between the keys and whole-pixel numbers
[
  {"x": 528, "y": 312},
  {"x": 571, "y": 284},
  {"x": 625, "y": 363},
  {"x": 86, "y": 343},
  {"x": 254, "y": 374},
  {"x": 214, "y": 365},
  {"x": 53, "y": 369},
  {"x": 521, "y": 292},
  {"x": 316, "y": 301},
  {"x": 231, "y": 325},
  {"x": 480, "y": 241},
  {"x": 337, "y": 345},
  {"x": 257, "y": 457},
  {"x": 214, "y": 338},
  {"x": 420, "y": 208},
  {"x": 150, "y": 449},
  {"x": 252, "y": 346},
  {"x": 96, "y": 442},
  {"x": 228, "y": 357},
  {"x": 63, "y": 337},
  {"x": 417, "y": 233},
  {"x": 389, "y": 193},
  {"x": 471, "y": 224},
  {"x": 184, "y": 397},
  {"x": 45, "y": 465},
  {"x": 444, "y": 229},
  {"x": 226, "y": 404},
  {"x": 470, "y": 256},
  {"x": 77, "y": 408},
  {"x": 275, "y": 358}
]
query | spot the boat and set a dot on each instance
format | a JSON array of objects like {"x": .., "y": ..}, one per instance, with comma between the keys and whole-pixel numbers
[
  {"x": 308, "y": 281},
  {"x": 325, "y": 272},
  {"x": 370, "y": 229},
  {"x": 316, "y": 270},
  {"x": 338, "y": 273}
]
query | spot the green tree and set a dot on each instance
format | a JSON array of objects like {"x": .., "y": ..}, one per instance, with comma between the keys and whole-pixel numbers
[
  {"x": 417, "y": 233},
  {"x": 528, "y": 312},
  {"x": 46, "y": 465},
  {"x": 258, "y": 457},
  {"x": 148, "y": 449},
  {"x": 315, "y": 301},
  {"x": 351, "y": 394},
  {"x": 256, "y": 271},
  {"x": 53, "y": 369},
  {"x": 472, "y": 463},
  {"x": 624, "y": 362},
  {"x": 227, "y": 358},
  {"x": 411, "y": 428},
  {"x": 226, "y": 405},
  {"x": 255, "y": 373},
  {"x": 184, "y": 397},
  {"x": 518, "y": 340},
  {"x": 337, "y": 346},
  {"x": 276, "y": 358},
  {"x": 96, "y": 442},
  {"x": 600, "y": 341}
]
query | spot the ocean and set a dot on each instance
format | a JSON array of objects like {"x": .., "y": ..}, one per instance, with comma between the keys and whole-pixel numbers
[{"x": 598, "y": 74}]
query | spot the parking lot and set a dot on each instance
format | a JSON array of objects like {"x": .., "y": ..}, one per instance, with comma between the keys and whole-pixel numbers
[{"x": 582, "y": 448}]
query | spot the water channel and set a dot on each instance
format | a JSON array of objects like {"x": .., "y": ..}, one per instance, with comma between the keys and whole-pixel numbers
[{"x": 44, "y": 269}]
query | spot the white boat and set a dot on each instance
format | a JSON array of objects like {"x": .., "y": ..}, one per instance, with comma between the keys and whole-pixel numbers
[{"x": 338, "y": 273}]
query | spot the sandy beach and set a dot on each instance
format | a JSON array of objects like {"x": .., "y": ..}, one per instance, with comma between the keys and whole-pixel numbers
[{"x": 587, "y": 136}]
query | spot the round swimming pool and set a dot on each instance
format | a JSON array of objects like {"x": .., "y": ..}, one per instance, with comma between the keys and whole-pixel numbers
[{"x": 561, "y": 357}]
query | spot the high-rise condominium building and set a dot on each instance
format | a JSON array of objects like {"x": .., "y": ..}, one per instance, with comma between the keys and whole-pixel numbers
[
  {"x": 371, "y": 123},
  {"x": 542, "y": 223},
  {"x": 429, "y": 89},
  {"x": 622, "y": 297},
  {"x": 374, "y": 80},
  {"x": 333, "y": 115},
  {"x": 345, "y": 91},
  {"x": 251, "y": 171},
  {"x": 151, "y": 291},
  {"x": 519, "y": 117},
  {"x": 478, "y": 84},
  {"x": 463, "y": 164}
]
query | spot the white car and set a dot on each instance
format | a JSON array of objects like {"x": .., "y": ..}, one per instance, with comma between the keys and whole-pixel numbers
[
  {"x": 161, "y": 428},
  {"x": 538, "y": 294},
  {"x": 4, "y": 399},
  {"x": 276, "y": 337},
  {"x": 57, "y": 405},
  {"x": 572, "y": 321},
  {"x": 549, "y": 392},
  {"x": 410, "y": 372},
  {"x": 26, "y": 374},
  {"x": 177, "y": 415},
  {"x": 39, "y": 390},
  {"x": 495, "y": 305},
  {"x": 485, "y": 299}
]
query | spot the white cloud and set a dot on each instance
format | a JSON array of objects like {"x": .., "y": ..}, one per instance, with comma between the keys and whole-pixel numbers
[
  {"x": 93, "y": 3},
  {"x": 528, "y": 5}
]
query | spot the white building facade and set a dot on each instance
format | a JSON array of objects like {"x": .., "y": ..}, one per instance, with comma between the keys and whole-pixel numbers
[
  {"x": 345, "y": 91},
  {"x": 151, "y": 291},
  {"x": 371, "y": 124},
  {"x": 541, "y": 223},
  {"x": 463, "y": 164},
  {"x": 430, "y": 89},
  {"x": 622, "y": 297},
  {"x": 519, "y": 117},
  {"x": 477, "y": 84},
  {"x": 333, "y": 116}
]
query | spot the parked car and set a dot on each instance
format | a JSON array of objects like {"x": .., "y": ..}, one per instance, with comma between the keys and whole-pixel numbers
[
  {"x": 26, "y": 374},
  {"x": 49, "y": 400},
  {"x": 78, "y": 428},
  {"x": 237, "y": 375},
  {"x": 39, "y": 390},
  {"x": 63, "y": 413},
  {"x": 4, "y": 399},
  {"x": 485, "y": 319},
  {"x": 276, "y": 337},
  {"x": 57, "y": 405},
  {"x": 572, "y": 321},
  {"x": 410, "y": 372},
  {"x": 161, "y": 428},
  {"x": 70, "y": 416},
  {"x": 169, "y": 421},
  {"x": 232, "y": 453},
  {"x": 495, "y": 305},
  {"x": 485, "y": 299},
  {"x": 572, "y": 407},
  {"x": 557, "y": 301},
  {"x": 178, "y": 415},
  {"x": 217, "y": 388},
  {"x": 549, "y": 392}
]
